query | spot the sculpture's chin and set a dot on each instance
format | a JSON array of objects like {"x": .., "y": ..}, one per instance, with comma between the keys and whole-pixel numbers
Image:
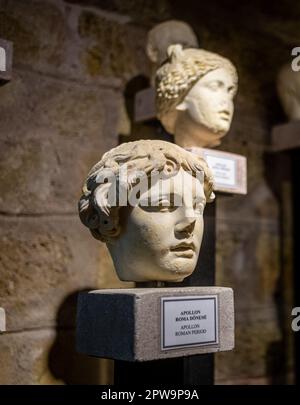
[
  {"x": 220, "y": 130},
  {"x": 217, "y": 133},
  {"x": 179, "y": 271},
  {"x": 209, "y": 139}
]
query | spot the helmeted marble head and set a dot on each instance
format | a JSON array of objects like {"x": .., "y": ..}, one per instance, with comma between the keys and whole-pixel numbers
[
  {"x": 198, "y": 83},
  {"x": 145, "y": 199}
]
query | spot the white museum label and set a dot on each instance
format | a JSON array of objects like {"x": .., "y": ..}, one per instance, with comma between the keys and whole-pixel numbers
[
  {"x": 2, "y": 320},
  {"x": 189, "y": 321},
  {"x": 224, "y": 169}
]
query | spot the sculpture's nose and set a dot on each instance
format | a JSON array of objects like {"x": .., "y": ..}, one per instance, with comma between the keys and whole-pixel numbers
[
  {"x": 187, "y": 223},
  {"x": 224, "y": 102}
]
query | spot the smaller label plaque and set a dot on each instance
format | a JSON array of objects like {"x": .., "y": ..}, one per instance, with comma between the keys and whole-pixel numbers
[
  {"x": 6, "y": 48},
  {"x": 229, "y": 169},
  {"x": 189, "y": 321},
  {"x": 224, "y": 169},
  {"x": 2, "y": 320}
]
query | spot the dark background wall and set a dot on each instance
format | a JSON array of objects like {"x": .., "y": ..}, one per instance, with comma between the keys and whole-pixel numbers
[{"x": 65, "y": 106}]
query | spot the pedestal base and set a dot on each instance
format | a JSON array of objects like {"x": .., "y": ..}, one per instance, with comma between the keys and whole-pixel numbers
[{"x": 143, "y": 324}]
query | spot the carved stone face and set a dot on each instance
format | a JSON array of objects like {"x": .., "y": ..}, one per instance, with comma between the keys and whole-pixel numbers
[
  {"x": 210, "y": 101},
  {"x": 161, "y": 242},
  {"x": 145, "y": 200},
  {"x": 194, "y": 96}
]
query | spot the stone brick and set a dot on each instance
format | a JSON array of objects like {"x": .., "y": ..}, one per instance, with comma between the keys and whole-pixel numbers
[
  {"x": 111, "y": 49},
  {"x": 48, "y": 357},
  {"x": 37, "y": 29},
  {"x": 52, "y": 133},
  {"x": 44, "y": 262},
  {"x": 73, "y": 42},
  {"x": 24, "y": 358}
]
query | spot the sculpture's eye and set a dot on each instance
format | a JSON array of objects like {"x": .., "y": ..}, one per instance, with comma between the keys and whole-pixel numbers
[
  {"x": 165, "y": 205},
  {"x": 231, "y": 90},
  {"x": 157, "y": 204},
  {"x": 169, "y": 203},
  {"x": 161, "y": 203},
  {"x": 215, "y": 85}
]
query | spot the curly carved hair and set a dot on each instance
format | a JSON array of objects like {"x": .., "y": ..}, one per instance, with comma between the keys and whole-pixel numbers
[{"x": 140, "y": 156}]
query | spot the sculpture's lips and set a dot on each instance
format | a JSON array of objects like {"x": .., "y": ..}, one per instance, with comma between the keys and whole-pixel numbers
[
  {"x": 184, "y": 249},
  {"x": 225, "y": 115}
]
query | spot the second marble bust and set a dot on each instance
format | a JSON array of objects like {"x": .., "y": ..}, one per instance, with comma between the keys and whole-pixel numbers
[
  {"x": 145, "y": 199},
  {"x": 194, "y": 96}
]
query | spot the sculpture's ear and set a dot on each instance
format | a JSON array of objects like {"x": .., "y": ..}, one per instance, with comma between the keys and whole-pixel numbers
[{"x": 182, "y": 106}]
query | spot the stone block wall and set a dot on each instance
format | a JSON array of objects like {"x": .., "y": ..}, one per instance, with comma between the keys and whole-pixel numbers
[
  {"x": 64, "y": 107},
  {"x": 57, "y": 120}
]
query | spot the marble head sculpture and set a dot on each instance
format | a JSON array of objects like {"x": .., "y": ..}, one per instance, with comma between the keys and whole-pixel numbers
[
  {"x": 145, "y": 200},
  {"x": 194, "y": 96},
  {"x": 288, "y": 87}
]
